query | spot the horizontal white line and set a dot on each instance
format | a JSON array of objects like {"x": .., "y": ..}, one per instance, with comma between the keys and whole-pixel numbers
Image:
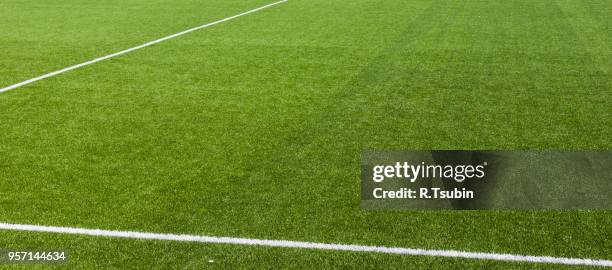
[
  {"x": 308, "y": 245},
  {"x": 54, "y": 73}
]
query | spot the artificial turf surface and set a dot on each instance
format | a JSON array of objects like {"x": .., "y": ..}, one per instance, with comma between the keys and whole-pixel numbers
[{"x": 255, "y": 127}]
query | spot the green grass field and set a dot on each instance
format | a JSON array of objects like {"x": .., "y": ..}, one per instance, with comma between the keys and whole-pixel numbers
[{"x": 255, "y": 127}]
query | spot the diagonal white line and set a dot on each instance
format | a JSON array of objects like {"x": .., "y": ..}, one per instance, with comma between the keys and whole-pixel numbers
[
  {"x": 308, "y": 245},
  {"x": 54, "y": 73}
]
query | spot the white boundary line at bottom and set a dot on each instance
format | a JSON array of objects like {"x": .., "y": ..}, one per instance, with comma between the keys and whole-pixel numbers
[{"x": 307, "y": 245}]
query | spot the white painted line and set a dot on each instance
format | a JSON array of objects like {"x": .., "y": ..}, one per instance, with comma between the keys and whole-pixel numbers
[
  {"x": 307, "y": 245},
  {"x": 54, "y": 73}
]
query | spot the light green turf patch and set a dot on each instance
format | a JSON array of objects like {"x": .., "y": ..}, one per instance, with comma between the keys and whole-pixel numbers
[{"x": 43, "y": 36}]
